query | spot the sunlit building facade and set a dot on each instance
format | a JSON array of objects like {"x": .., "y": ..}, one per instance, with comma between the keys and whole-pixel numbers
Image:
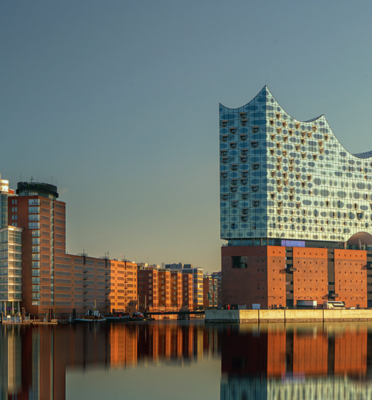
[{"x": 10, "y": 270}]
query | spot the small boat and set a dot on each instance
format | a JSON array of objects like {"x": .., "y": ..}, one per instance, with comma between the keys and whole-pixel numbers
[
  {"x": 118, "y": 317},
  {"x": 91, "y": 316},
  {"x": 137, "y": 316}
]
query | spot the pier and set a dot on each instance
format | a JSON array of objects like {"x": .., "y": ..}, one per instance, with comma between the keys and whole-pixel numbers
[{"x": 284, "y": 315}]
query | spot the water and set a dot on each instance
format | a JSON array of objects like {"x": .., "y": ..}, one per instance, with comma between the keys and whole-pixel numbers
[{"x": 187, "y": 360}]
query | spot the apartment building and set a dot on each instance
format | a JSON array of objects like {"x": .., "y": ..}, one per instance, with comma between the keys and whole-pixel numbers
[
  {"x": 147, "y": 291},
  {"x": 121, "y": 286},
  {"x": 176, "y": 289},
  {"x": 10, "y": 256},
  {"x": 187, "y": 292},
  {"x": 10, "y": 270},
  {"x": 197, "y": 277},
  {"x": 164, "y": 290},
  {"x": 210, "y": 295},
  {"x": 36, "y": 270},
  {"x": 218, "y": 278}
]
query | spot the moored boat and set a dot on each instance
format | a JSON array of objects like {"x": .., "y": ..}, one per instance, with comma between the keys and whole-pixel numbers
[
  {"x": 91, "y": 316},
  {"x": 118, "y": 317},
  {"x": 137, "y": 316}
]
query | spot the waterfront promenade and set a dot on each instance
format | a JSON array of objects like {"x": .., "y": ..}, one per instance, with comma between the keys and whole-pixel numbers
[{"x": 283, "y": 315}]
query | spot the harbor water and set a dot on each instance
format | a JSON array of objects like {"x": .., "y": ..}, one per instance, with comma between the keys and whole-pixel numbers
[{"x": 187, "y": 360}]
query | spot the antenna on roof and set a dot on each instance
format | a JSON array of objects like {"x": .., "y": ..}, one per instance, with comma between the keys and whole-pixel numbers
[{"x": 51, "y": 180}]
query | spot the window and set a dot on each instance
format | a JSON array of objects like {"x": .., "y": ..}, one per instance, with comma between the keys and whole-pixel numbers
[
  {"x": 34, "y": 225},
  {"x": 239, "y": 262},
  {"x": 33, "y": 202}
]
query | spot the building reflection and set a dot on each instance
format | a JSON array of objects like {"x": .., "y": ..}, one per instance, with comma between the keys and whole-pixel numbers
[
  {"x": 35, "y": 360},
  {"x": 296, "y": 362},
  {"x": 268, "y": 362}
]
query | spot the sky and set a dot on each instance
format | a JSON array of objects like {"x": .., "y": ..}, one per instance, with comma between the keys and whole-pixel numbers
[{"x": 116, "y": 102}]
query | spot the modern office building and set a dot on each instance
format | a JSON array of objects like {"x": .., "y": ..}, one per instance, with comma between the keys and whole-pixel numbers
[
  {"x": 290, "y": 189},
  {"x": 5, "y": 192},
  {"x": 10, "y": 270},
  {"x": 36, "y": 270},
  {"x": 42, "y": 217},
  {"x": 10, "y": 255}
]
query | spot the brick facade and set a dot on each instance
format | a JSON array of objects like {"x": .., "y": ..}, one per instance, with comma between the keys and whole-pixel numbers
[
  {"x": 276, "y": 276},
  {"x": 310, "y": 280},
  {"x": 164, "y": 290},
  {"x": 351, "y": 277}
]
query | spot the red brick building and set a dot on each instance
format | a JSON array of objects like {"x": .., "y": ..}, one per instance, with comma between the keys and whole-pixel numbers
[
  {"x": 53, "y": 280},
  {"x": 210, "y": 292},
  {"x": 277, "y": 276},
  {"x": 164, "y": 290}
]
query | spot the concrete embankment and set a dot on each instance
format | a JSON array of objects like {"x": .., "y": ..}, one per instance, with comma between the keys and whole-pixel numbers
[{"x": 248, "y": 316}]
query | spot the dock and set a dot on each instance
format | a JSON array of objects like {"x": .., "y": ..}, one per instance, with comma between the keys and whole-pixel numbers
[{"x": 284, "y": 315}]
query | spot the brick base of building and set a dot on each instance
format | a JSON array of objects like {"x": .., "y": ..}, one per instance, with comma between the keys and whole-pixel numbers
[{"x": 276, "y": 276}]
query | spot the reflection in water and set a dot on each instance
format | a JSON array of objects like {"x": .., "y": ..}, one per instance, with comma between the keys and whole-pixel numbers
[
  {"x": 271, "y": 361},
  {"x": 34, "y": 360},
  {"x": 298, "y": 362}
]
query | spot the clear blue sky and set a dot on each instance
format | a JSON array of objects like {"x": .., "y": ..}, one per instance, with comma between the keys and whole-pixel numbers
[{"x": 118, "y": 101}]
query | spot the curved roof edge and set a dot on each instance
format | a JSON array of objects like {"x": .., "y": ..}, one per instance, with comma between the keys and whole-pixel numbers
[
  {"x": 364, "y": 155},
  {"x": 266, "y": 88}
]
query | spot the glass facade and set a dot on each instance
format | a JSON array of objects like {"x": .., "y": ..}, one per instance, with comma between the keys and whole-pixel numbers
[
  {"x": 3, "y": 210},
  {"x": 281, "y": 178},
  {"x": 10, "y": 269}
]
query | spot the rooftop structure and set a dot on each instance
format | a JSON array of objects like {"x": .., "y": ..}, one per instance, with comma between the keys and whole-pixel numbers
[{"x": 37, "y": 189}]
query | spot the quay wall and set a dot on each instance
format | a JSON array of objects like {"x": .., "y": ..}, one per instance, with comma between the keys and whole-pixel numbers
[{"x": 281, "y": 315}]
